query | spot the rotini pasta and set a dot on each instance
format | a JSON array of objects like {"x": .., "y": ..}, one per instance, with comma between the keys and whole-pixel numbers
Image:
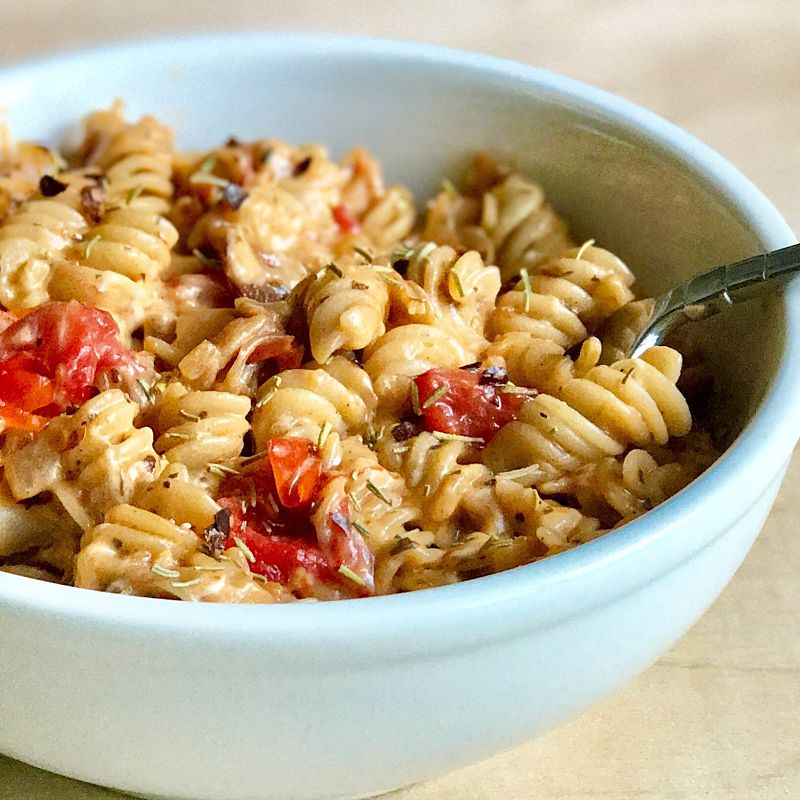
[
  {"x": 250, "y": 376},
  {"x": 34, "y": 238}
]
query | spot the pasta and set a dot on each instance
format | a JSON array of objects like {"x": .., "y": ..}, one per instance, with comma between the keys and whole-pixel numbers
[{"x": 252, "y": 375}]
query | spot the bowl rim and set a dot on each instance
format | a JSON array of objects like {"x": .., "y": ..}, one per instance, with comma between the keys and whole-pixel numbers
[{"x": 776, "y": 420}]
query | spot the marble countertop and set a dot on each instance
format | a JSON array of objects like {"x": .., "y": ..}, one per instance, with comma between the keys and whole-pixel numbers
[{"x": 719, "y": 715}]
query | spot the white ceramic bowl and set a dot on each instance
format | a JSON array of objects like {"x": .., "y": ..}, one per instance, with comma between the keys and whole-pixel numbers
[{"x": 358, "y": 697}]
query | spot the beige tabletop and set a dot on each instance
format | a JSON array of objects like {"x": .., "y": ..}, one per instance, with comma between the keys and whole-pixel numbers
[{"x": 719, "y": 716}]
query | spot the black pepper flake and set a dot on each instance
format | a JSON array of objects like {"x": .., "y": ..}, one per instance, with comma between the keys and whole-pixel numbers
[
  {"x": 92, "y": 199},
  {"x": 358, "y": 285},
  {"x": 475, "y": 365},
  {"x": 216, "y": 533},
  {"x": 405, "y": 430},
  {"x": 497, "y": 376},
  {"x": 50, "y": 186},
  {"x": 234, "y": 195},
  {"x": 149, "y": 463},
  {"x": 301, "y": 167},
  {"x": 265, "y": 292},
  {"x": 232, "y": 142},
  {"x": 402, "y": 543}
]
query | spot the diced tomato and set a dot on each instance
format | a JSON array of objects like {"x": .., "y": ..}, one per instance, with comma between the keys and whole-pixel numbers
[
  {"x": 344, "y": 546},
  {"x": 271, "y": 503},
  {"x": 276, "y": 557},
  {"x": 51, "y": 357},
  {"x": 296, "y": 469},
  {"x": 22, "y": 386},
  {"x": 346, "y": 219},
  {"x": 463, "y": 405},
  {"x": 286, "y": 350},
  {"x": 11, "y": 417}
]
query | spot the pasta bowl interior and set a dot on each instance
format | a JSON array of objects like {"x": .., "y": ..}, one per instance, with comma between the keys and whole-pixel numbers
[{"x": 378, "y": 321}]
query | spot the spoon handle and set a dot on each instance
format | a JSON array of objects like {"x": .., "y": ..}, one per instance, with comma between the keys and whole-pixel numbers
[{"x": 714, "y": 291}]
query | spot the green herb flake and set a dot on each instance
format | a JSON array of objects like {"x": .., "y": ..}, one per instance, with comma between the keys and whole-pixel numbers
[
  {"x": 147, "y": 391},
  {"x": 179, "y": 435},
  {"x": 210, "y": 567},
  {"x": 530, "y": 472},
  {"x": 134, "y": 193},
  {"x": 202, "y": 179},
  {"x": 628, "y": 374},
  {"x": 365, "y": 254},
  {"x": 222, "y": 469},
  {"x": 424, "y": 253},
  {"x": 346, "y": 572},
  {"x": 248, "y": 553},
  {"x": 276, "y": 382},
  {"x": 185, "y": 584},
  {"x": 526, "y": 282},
  {"x": 163, "y": 572},
  {"x": 402, "y": 253},
  {"x": 206, "y": 261},
  {"x": 415, "y": 398},
  {"x": 583, "y": 248},
  {"x": 324, "y": 432},
  {"x": 436, "y": 396},
  {"x": 459, "y": 287},
  {"x": 334, "y": 269},
  {"x": 188, "y": 415},
  {"x": 245, "y": 460},
  {"x": 89, "y": 246},
  {"x": 354, "y": 501},
  {"x": 457, "y": 437},
  {"x": 377, "y": 492},
  {"x": 512, "y": 388},
  {"x": 361, "y": 529}
]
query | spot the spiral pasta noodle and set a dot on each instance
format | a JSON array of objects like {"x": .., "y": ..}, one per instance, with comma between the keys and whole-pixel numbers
[
  {"x": 346, "y": 306},
  {"x": 91, "y": 460},
  {"x": 31, "y": 240},
  {"x": 523, "y": 228},
  {"x": 300, "y": 402},
  {"x": 135, "y": 158},
  {"x": 634, "y": 401},
  {"x": 197, "y": 428},
  {"x": 460, "y": 290}
]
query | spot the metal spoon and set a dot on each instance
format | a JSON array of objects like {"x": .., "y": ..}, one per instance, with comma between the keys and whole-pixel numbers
[{"x": 646, "y": 323}]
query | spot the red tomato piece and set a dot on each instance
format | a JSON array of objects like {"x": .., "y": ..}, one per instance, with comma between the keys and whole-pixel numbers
[
  {"x": 297, "y": 469},
  {"x": 22, "y": 386},
  {"x": 69, "y": 344},
  {"x": 455, "y": 401},
  {"x": 11, "y": 417},
  {"x": 276, "y": 557},
  {"x": 346, "y": 219},
  {"x": 284, "y": 349},
  {"x": 344, "y": 546}
]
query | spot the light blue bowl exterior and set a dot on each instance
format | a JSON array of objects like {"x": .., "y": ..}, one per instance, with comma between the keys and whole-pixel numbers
[{"x": 352, "y": 698}]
